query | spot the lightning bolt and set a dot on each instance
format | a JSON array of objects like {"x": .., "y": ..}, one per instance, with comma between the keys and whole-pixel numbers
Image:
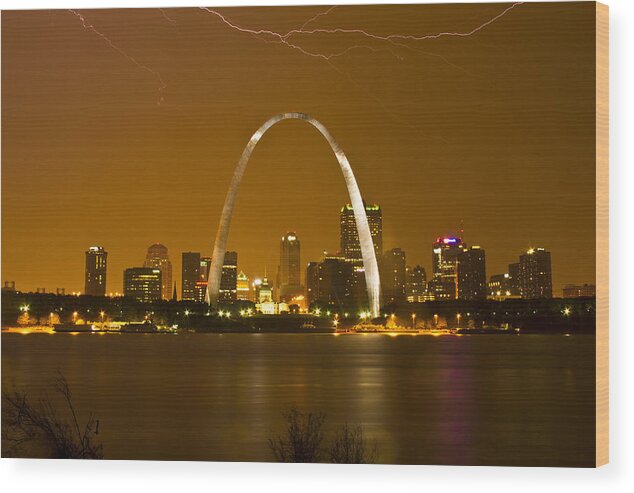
[
  {"x": 88, "y": 26},
  {"x": 284, "y": 38},
  {"x": 164, "y": 14}
]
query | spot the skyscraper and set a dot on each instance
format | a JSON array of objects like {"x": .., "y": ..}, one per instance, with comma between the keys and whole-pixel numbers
[
  {"x": 393, "y": 275},
  {"x": 96, "y": 264},
  {"x": 203, "y": 276},
  {"x": 229, "y": 278},
  {"x": 289, "y": 275},
  {"x": 190, "y": 275},
  {"x": 349, "y": 237},
  {"x": 416, "y": 285},
  {"x": 444, "y": 281},
  {"x": 472, "y": 279},
  {"x": 242, "y": 287},
  {"x": 535, "y": 275},
  {"x": 328, "y": 281},
  {"x": 158, "y": 258},
  {"x": 143, "y": 284},
  {"x": 312, "y": 282},
  {"x": 514, "y": 279}
]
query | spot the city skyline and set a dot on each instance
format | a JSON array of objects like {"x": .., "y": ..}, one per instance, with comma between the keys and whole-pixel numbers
[
  {"x": 458, "y": 272},
  {"x": 419, "y": 142},
  {"x": 201, "y": 267}
]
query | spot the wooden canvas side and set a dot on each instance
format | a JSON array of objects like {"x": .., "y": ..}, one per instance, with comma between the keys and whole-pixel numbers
[{"x": 602, "y": 227}]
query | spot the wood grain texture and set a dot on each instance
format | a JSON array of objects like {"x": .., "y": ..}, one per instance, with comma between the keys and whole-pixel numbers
[{"x": 602, "y": 226}]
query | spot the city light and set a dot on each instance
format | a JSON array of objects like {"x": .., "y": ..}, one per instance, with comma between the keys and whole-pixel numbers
[
  {"x": 24, "y": 308},
  {"x": 567, "y": 311}
]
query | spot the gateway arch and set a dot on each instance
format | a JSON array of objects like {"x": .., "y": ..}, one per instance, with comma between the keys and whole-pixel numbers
[{"x": 370, "y": 266}]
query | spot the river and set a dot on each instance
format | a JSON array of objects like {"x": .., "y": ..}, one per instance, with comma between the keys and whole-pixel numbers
[{"x": 483, "y": 400}]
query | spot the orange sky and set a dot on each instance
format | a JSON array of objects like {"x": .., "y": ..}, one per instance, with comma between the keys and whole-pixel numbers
[{"x": 495, "y": 129}]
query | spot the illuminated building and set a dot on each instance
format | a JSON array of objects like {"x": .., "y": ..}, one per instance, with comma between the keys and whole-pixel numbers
[
  {"x": 228, "y": 279},
  {"x": 444, "y": 282},
  {"x": 514, "y": 278},
  {"x": 96, "y": 264},
  {"x": 242, "y": 287},
  {"x": 393, "y": 276},
  {"x": 535, "y": 275},
  {"x": 416, "y": 284},
  {"x": 501, "y": 287},
  {"x": 349, "y": 238},
  {"x": 289, "y": 275},
  {"x": 190, "y": 275},
  {"x": 329, "y": 281},
  {"x": 312, "y": 282},
  {"x": 257, "y": 283},
  {"x": 471, "y": 272},
  {"x": 158, "y": 258},
  {"x": 201, "y": 282},
  {"x": 142, "y": 284},
  {"x": 577, "y": 291},
  {"x": 264, "y": 290}
]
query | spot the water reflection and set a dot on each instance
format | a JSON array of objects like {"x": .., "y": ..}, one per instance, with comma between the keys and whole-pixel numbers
[{"x": 525, "y": 400}]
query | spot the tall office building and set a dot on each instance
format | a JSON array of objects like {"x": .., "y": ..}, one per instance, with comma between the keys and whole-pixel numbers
[
  {"x": 203, "y": 275},
  {"x": 472, "y": 278},
  {"x": 242, "y": 287},
  {"x": 514, "y": 278},
  {"x": 444, "y": 282},
  {"x": 349, "y": 237},
  {"x": 143, "y": 284},
  {"x": 96, "y": 264},
  {"x": 393, "y": 276},
  {"x": 158, "y": 258},
  {"x": 312, "y": 282},
  {"x": 329, "y": 281},
  {"x": 289, "y": 280},
  {"x": 190, "y": 275},
  {"x": 229, "y": 278},
  {"x": 416, "y": 284},
  {"x": 535, "y": 275}
]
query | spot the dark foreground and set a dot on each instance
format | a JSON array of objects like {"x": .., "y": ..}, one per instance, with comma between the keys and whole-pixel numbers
[{"x": 479, "y": 400}]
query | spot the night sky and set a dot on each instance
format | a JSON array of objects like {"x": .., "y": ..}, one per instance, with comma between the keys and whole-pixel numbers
[{"x": 495, "y": 129}]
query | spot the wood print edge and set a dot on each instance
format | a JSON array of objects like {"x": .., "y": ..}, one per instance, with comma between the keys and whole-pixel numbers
[{"x": 602, "y": 234}]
